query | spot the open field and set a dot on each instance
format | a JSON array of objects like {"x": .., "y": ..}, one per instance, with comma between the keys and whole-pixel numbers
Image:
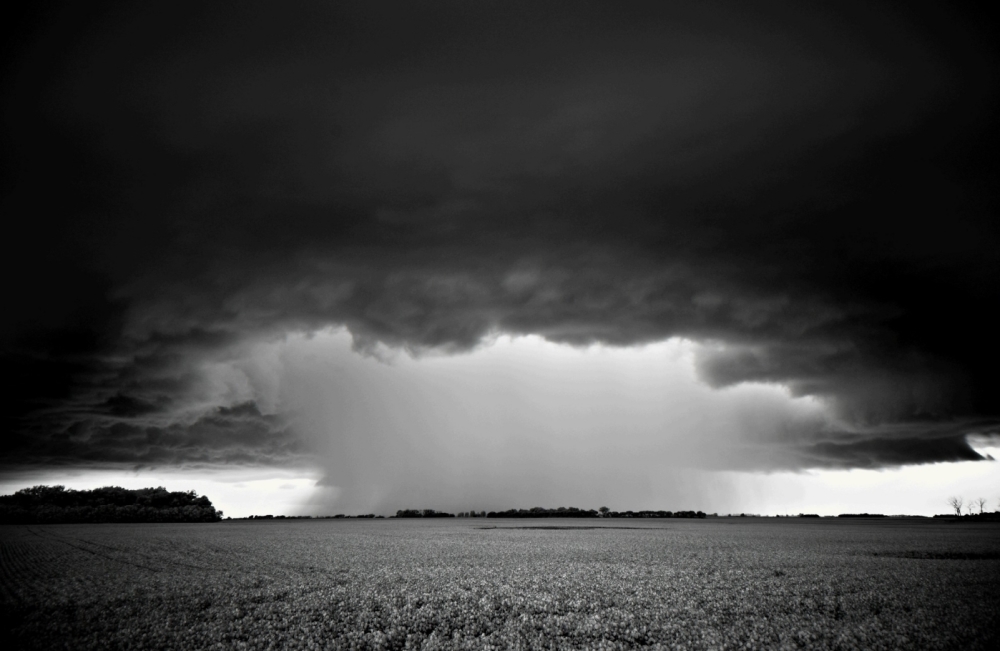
[{"x": 484, "y": 583}]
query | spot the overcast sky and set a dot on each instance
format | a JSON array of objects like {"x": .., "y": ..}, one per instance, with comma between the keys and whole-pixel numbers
[{"x": 482, "y": 255}]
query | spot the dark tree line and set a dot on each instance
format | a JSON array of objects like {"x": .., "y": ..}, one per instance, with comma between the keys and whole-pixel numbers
[
  {"x": 367, "y": 516},
  {"x": 561, "y": 512},
  {"x": 655, "y": 514},
  {"x": 424, "y": 513},
  {"x": 539, "y": 512},
  {"x": 56, "y": 505}
]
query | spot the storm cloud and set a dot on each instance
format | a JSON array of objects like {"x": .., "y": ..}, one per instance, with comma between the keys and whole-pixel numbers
[{"x": 808, "y": 192}]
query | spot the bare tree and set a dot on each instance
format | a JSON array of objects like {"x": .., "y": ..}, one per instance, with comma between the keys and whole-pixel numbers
[
  {"x": 981, "y": 503},
  {"x": 956, "y": 503}
]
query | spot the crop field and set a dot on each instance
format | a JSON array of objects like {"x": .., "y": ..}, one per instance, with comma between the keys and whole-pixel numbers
[{"x": 502, "y": 584}]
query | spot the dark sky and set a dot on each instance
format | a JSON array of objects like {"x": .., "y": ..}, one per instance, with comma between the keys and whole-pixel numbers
[{"x": 808, "y": 190}]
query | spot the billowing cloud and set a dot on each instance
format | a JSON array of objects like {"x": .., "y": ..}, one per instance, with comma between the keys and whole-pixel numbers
[
  {"x": 808, "y": 192},
  {"x": 226, "y": 435}
]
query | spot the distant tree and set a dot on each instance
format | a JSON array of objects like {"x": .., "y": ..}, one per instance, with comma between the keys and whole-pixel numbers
[
  {"x": 981, "y": 503},
  {"x": 55, "y": 504},
  {"x": 604, "y": 511},
  {"x": 956, "y": 502}
]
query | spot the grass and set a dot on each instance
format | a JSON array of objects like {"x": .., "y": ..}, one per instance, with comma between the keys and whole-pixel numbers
[{"x": 502, "y": 584}]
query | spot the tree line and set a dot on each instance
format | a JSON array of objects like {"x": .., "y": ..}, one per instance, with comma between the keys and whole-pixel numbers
[
  {"x": 974, "y": 508},
  {"x": 57, "y": 505},
  {"x": 540, "y": 512},
  {"x": 422, "y": 513},
  {"x": 367, "y": 516}
]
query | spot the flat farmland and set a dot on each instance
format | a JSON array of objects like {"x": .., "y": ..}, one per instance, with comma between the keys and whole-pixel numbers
[{"x": 498, "y": 584}]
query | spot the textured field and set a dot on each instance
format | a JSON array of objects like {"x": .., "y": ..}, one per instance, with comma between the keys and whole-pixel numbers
[{"x": 455, "y": 584}]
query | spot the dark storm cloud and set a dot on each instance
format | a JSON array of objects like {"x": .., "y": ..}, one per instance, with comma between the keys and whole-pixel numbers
[
  {"x": 910, "y": 442},
  {"x": 809, "y": 190},
  {"x": 239, "y": 434}
]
